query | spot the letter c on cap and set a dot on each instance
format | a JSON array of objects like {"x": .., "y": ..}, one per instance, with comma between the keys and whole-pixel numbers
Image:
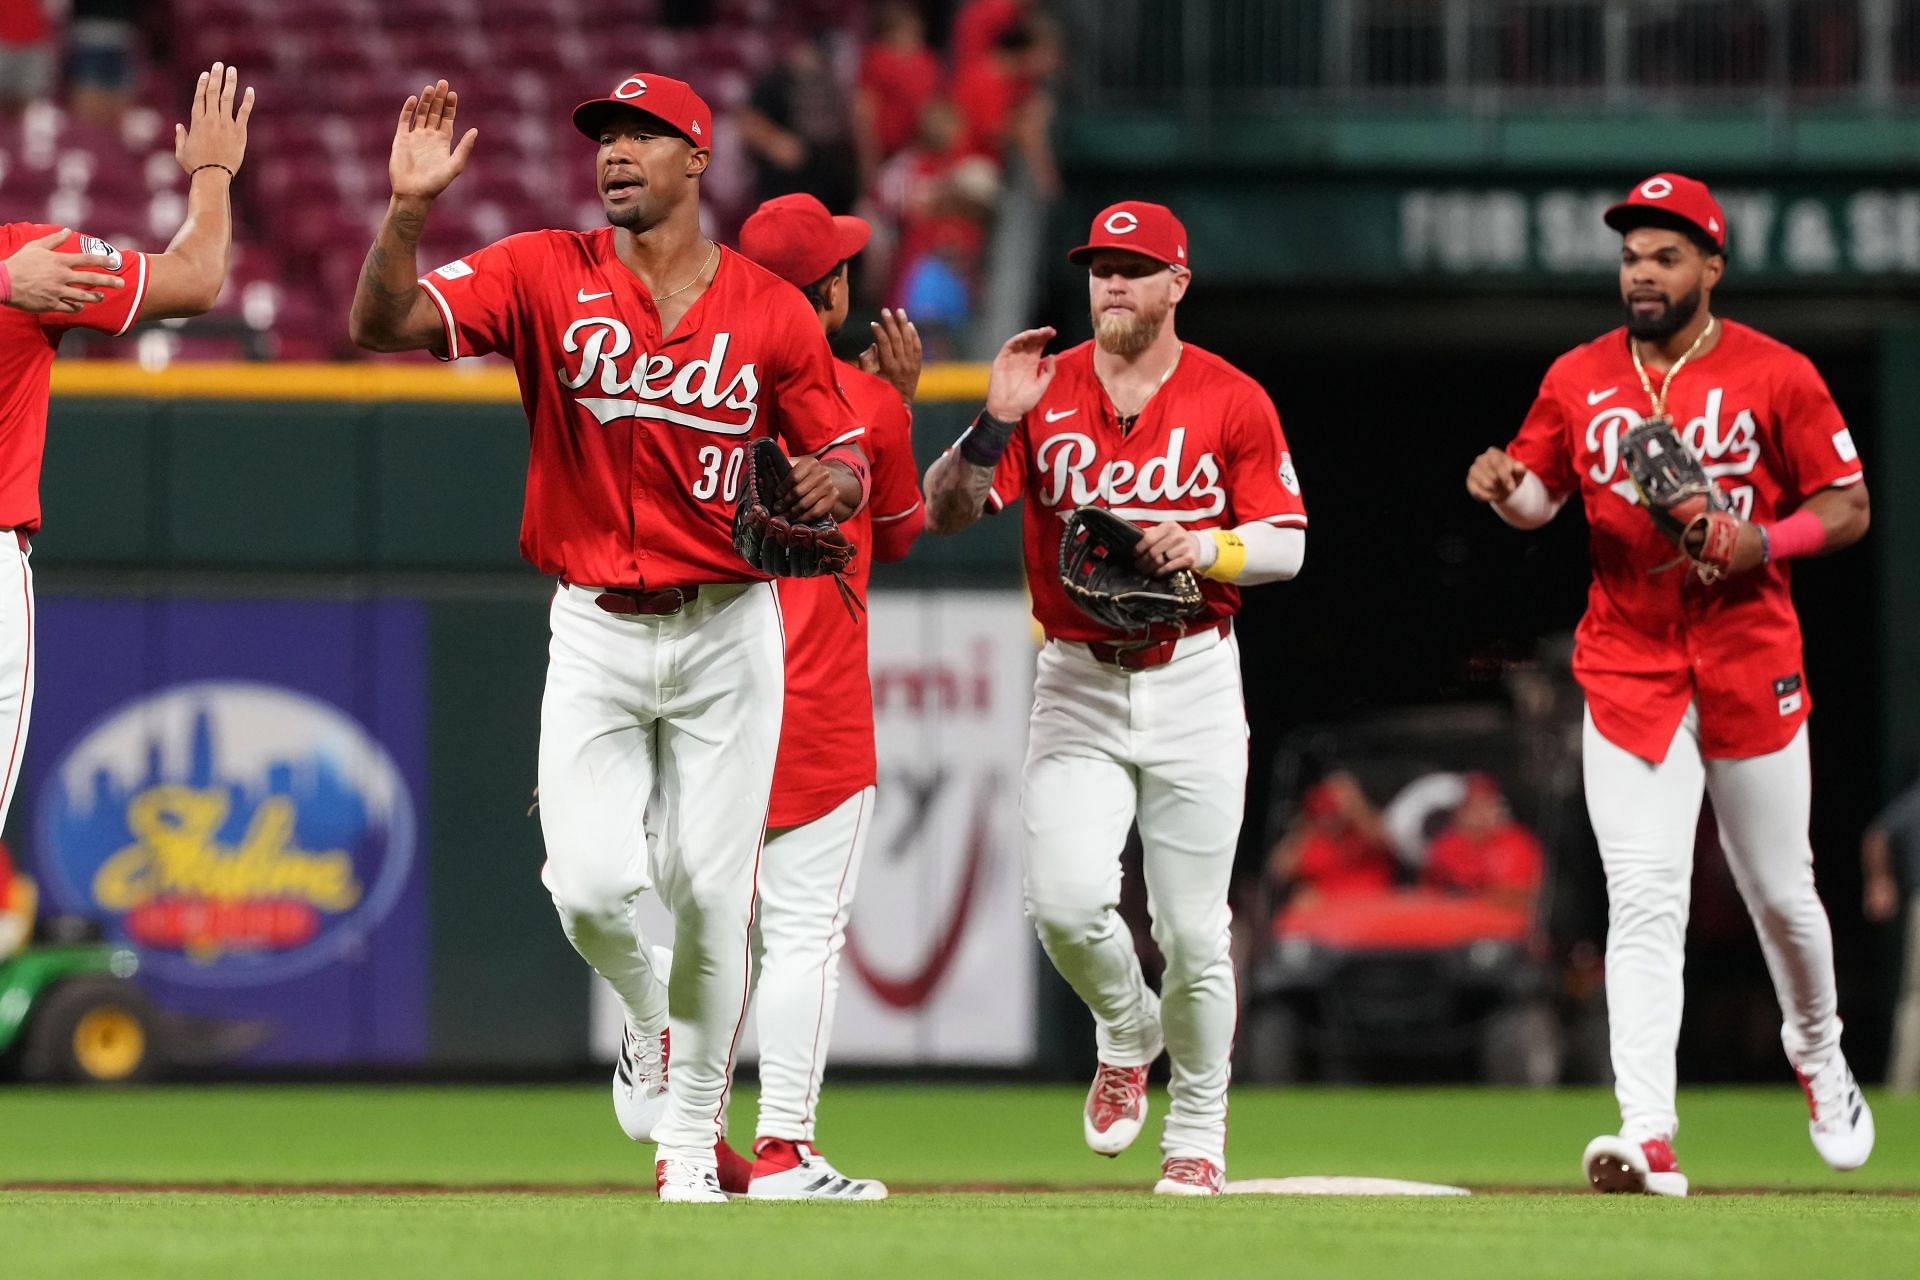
[
  {"x": 1121, "y": 223},
  {"x": 1656, "y": 188},
  {"x": 631, "y": 87}
]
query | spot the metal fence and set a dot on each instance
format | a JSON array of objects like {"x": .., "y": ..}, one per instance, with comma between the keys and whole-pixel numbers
[{"x": 1613, "y": 54}]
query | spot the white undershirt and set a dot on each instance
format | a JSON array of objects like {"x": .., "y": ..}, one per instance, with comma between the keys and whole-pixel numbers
[
  {"x": 1274, "y": 554},
  {"x": 1530, "y": 505}
]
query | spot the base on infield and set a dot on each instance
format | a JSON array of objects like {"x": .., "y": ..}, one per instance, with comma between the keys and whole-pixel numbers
[{"x": 1322, "y": 1185}]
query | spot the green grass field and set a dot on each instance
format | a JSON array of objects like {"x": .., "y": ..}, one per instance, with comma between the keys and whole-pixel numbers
[{"x": 499, "y": 1182}]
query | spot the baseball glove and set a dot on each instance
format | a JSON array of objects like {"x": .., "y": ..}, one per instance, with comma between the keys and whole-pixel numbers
[
  {"x": 1098, "y": 572},
  {"x": 1683, "y": 502},
  {"x": 772, "y": 543}
]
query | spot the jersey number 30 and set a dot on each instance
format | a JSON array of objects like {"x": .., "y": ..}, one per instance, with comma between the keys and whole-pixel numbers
[{"x": 720, "y": 473}]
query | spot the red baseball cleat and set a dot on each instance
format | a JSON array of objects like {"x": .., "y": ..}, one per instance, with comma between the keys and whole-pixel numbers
[
  {"x": 1190, "y": 1176},
  {"x": 1615, "y": 1164},
  {"x": 1116, "y": 1108}
]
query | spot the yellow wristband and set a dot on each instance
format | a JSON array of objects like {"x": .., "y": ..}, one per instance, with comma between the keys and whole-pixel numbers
[{"x": 1230, "y": 556}]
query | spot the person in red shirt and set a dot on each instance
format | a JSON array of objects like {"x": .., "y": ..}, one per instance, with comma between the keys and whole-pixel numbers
[
  {"x": 1004, "y": 102},
  {"x": 824, "y": 776},
  {"x": 1694, "y": 684},
  {"x": 648, "y": 357},
  {"x": 898, "y": 77},
  {"x": 1337, "y": 848},
  {"x": 1127, "y": 727},
  {"x": 1483, "y": 851},
  {"x": 53, "y": 280}
]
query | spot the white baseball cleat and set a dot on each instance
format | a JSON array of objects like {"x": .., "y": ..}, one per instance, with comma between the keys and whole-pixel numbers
[
  {"x": 683, "y": 1182},
  {"x": 784, "y": 1170},
  {"x": 640, "y": 1072},
  {"x": 1190, "y": 1176},
  {"x": 1116, "y": 1108},
  {"x": 1842, "y": 1122},
  {"x": 1615, "y": 1164}
]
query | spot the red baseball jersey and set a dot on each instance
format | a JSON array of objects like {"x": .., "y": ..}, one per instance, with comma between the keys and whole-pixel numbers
[
  {"x": 826, "y": 736},
  {"x": 1655, "y": 638},
  {"x": 1207, "y": 451},
  {"x": 638, "y": 437},
  {"x": 1507, "y": 857},
  {"x": 27, "y": 344}
]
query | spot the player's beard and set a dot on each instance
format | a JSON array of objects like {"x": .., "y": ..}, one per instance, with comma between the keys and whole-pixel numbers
[
  {"x": 1127, "y": 333},
  {"x": 1678, "y": 313}
]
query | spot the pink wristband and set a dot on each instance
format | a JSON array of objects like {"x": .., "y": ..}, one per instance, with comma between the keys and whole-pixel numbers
[
  {"x": 1800, "y": 534},
  {"x": 6, "y": 284}
]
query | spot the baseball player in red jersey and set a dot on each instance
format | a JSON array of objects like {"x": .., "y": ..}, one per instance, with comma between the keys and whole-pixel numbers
[
  {"x": 824, "y": 776},
  {"x": 1128, "y": 728},
  {"x": 1691, "y": 683},
  {"x": 648, "y": 357},
  {"x": 53, "y": 280}
]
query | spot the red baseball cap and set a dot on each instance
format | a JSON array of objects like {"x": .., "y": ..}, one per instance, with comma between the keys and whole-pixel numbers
[
  {"x": 1139, "y": 227},
  {"x": 672, "y": 102},
  {"x": 798, "y": 240},
  {"x": 1671, "y": 200}
]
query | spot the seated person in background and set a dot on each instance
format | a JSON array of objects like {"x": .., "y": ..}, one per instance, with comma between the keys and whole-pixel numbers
[
  {"x": 1337, "y": 845},
  {"x": 1483, "y": 851},
  {"x": 19, "y": 899}
]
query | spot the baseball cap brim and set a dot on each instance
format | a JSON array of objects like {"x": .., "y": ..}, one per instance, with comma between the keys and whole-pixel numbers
[
  {"x": 1084, "y": 254},
  {"x": 851, "y": 235},
  {"x": 1629, "y": 215},
  {"x": 589, "y": 116}
]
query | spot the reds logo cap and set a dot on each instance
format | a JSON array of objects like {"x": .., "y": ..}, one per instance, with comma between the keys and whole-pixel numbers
[
  {"x": 1671, "y": 200},
  {"x": 672, "y": 102},
  {"x": 798, "y": 240},
  {"x": 1139, "y": 227}
]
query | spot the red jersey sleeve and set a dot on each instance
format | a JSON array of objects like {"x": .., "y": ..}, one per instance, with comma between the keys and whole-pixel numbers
[
  {"x": 479, "y": 299},
  {"x": 1816, "y": 449},
  {"x": 1544, "y": 445},
  {"x": 1010, "y": 474},
  {"x": 809, "y": 410},
  {"x": 118, "y": 308},
  {"x": 898, "y": 513},
  {"x": 1260, "y": 474}
]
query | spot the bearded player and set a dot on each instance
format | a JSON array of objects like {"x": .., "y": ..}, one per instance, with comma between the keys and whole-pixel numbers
[
  {"x": 1129, "y": 727},
  {"x": 824, "y": 776},
  {"x": 648, "y": 356},
  {"x": 1693, "y": 679},
  {"x": 52, "y": 281}
]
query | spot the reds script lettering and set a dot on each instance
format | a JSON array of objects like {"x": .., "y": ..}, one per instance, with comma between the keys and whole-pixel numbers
[
  {"x": 1064, "y": 460},
  {"x": 1733, "y": 451},
  {"x": 601, "y": 340}
]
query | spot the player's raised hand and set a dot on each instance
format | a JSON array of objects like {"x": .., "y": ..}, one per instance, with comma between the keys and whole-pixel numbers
[
  {"x": 216, "y": 129},
  {"x": 1166, "y": 549},
  {"x": 42, "y": 279},
  {"x": 1020, "y": 376},
  {"x": 425, "y": 159},
  {"x": 895, "y": 354},
  {"x": 1494, "y": 476}
]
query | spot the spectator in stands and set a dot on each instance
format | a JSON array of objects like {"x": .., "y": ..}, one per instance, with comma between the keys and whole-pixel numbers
[
  {"x": 980, "y": 23},
  {"x": 1336, "y": 847},
  {"x": 1890, "y": 872},
  {"x": 1005, "y": 105},
  {"x": 899, "y": 76},
  {"x": 1483, "y": 851},
  {"x": 798, "y": 127},
  {"x": 26, "y": 55},
  {"x": 103, "y": 41},
  {"x": 941, "y": 199}
]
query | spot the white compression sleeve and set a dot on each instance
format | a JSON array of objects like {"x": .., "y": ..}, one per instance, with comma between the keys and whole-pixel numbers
[
  {"x": 1529, "y": 506},
  {"x": 1274, "y": 554}
]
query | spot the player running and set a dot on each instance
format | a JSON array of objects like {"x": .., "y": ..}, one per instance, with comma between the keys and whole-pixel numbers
[
  {"x": 1126, "y": 726},
  {"x": 53, "y": 280},
  {"x": 648, "y": 357},
  {"x": 823, "y": 778},
  {"x": 1693, "y": 675}
]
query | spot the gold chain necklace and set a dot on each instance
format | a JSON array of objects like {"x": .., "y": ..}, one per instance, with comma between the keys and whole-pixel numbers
[
  {"x": 659, "y": 297},
  {"x": 1127, "y": 418},
  {"x": 1659, "y": 400}
]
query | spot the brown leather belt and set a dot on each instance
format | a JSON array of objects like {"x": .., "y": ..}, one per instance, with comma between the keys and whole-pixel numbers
[
  {"x": 665, "y": 602},
  {"x": 1144, "y": 657}
]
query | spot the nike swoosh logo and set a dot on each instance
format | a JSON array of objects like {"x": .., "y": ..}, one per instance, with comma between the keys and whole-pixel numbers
[
  {"x": 1595, "y": 397},
  {"x": 584, "y": 296},
  {"x": 1054, "y": 415}
]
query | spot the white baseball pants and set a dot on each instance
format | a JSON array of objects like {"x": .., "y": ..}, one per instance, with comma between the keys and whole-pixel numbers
[
  {"x": 16, "y": 660},
  {"x": 688, "y": 704},
  {"x": 807, "y": 875},
  {"x": 1166, "y": 747},
  {"x": 1644, "y": 816}
]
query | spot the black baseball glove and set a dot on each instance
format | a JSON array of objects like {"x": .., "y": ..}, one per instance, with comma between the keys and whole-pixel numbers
[
  {"x": 1683, "y": 501},
  {"x": 1098, "y": 571},
  {"x": 772, "y": 543}
]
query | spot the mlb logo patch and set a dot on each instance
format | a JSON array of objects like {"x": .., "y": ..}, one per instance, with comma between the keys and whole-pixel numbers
[
  {"x": 454, "y": 270},
  {"x": 99, "y": 248}
]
